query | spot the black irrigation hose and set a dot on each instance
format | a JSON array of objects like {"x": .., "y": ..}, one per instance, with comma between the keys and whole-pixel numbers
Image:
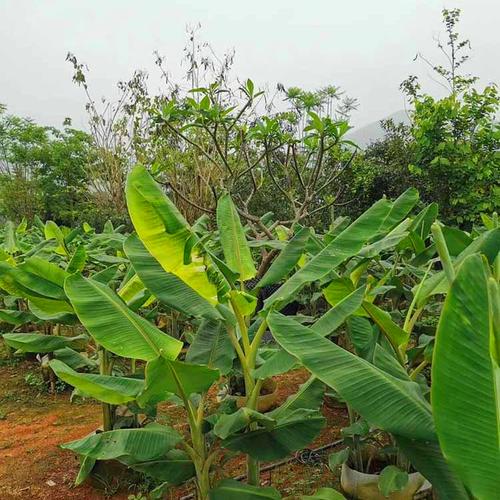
[{"x": 278, "y": 464}]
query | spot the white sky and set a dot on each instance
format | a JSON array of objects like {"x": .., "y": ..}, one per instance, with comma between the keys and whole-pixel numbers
[{"x": 365, "y": 46}]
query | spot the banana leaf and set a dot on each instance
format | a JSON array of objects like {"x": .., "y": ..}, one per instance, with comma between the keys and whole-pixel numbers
[
  {"x": 374, "y": 223},
  {"x": 165, "y": 377},
  {"x": 113, "y": 325},
  {"x": 37, "y": 342},
  {"x": 175, "y": 468},
  {"x": 166, "y": 286},
  {"x": 465, "y": 378},
  {"x": 393, "y": 404},
  {"x": 287, "y": 259},
  {"x": 233, "y": 240},
  {"x": 136, "y": 445},
  {"x": 292, "y": 432},
  {"x": 212, "y": 347},
  {"x": 17, "y": 318},
  {"x": 109, "y": 389},
  {"x": 230, "y": 489},
  {"x": 166, "y": 234}
]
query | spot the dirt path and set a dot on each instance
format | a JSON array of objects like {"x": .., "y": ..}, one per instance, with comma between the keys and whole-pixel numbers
[{"x": 33, "y": 424}]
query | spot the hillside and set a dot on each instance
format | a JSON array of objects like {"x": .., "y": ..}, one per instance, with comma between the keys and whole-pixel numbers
[{"x": 363, "y": 136}]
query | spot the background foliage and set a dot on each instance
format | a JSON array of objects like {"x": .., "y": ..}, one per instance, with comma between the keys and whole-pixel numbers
[{"x": 282, "y": 151}]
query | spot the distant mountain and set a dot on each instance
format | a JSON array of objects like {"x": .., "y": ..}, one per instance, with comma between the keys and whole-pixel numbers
[{"x": 367, "y": 134}]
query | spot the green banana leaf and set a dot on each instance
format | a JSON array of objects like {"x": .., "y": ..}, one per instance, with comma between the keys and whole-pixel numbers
[
  {"x": 277, "y": 363},
  {"x": 31, "y": 284},
  {"x": 16, "y": 318},
  {"x": 10, "y": 238},
  {"x": 113, "y": 325},
  {"x": 337, "y": 290},
  {"x": 233, "y": 240},
  {"x": 165, "y": 286},
  {"x": 230, "y": 489},
  {"x": 357, "y": 381},
  {"x": 393, "y": 238},
  {"x": 428, "y": 459},
  {"x": 166, "y": 234},
  {"x": 488, "y": 243},
  {"x": 309, "y": 396},
  {"x": 74, "y": 359},
  {"x": 292, "y": 432},
  {"x": 465, "y": 379},
  {"x": 46, "y": 270},
  {"x": 165, "y": 377},
  {"x": 339, "y": 313},
  {"x": 399, "y": 209},
  {"x": 106, "y": 275},
  {"x": 362, "y": 336},
  {"x": 282, "y": 361},
  {"x": 212, "y": 347},
  {"x": 4, "y": 255},
  {"x": 456, "y": 240},
  {"x": 175, "y": 468},
  {"x": 395, "y": 334},
  {"x": 58, "y": 311},
  {"x": 106, "y": 388},
  {"x": 102, "y": 258},
  {"x": 228, "y": 424},
  {"x": 287, "y": 259},
  {"x": 39, "y": 282},
  {"x": 133, "y": 290},
  {"x": 37, "y": 342},
  {"x": 77, "y": 261},
  {"x": 422, "y": 223},
  {"x": 86, "y": 466},
  {"x": 383, "y": 358},
  {"x": 136, "y": 445},
  {"x": 53, "y": 232}
]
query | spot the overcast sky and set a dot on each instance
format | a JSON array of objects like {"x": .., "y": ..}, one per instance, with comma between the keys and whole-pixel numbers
[{"x": 365, "y": 46}]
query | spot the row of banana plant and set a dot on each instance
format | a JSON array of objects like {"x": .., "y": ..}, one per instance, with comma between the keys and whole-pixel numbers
[{"x": 383, "y": 278}]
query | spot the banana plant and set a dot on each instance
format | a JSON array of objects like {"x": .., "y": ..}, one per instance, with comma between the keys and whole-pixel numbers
[
  {"x": 177, "y": 268},
  {"x": 124, "y": 333},
  {"x": 202, "y": 281},
  {"x": 441, "y": 441}
]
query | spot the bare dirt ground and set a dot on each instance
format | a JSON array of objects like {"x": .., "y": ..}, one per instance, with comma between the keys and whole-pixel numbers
[{"x": 34, "y": 423}]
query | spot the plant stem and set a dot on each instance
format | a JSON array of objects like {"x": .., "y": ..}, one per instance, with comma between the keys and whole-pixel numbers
[
  {"x": 242, "y": 325},
  {"x": 411, "y": 317},
  {"x": 107, "y": 410},
  {"x": 418, "y": 369},
  {"x": 254, "y": 347},
  {"x": 253, "y": 465},
  {"x": 443, "y": 252},
  {"x": 411, "y": 323},
  {"x": 253, "y": 397},
  {"x": 202, "y": 472},
  {"x": 247, "y": 357},
  {"x": 197, "y": 451},
  {"x": 253, "y": 471}
]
